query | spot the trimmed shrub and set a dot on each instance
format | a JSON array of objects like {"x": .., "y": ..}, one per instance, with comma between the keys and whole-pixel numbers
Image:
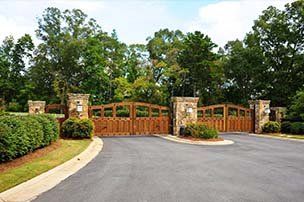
[
  {"x": 209, "y": 133},
  {"x": 200, "y": 131},
  {"x": 286, "y": 127},
  {"x": 77, "y": 128},
  {"x": 297, "y": 128},
  {"x": 272, "y": 127},
  {"x": 20, "y": 135},
  {"x": 194, "y": 129},
  {"x": 50, "y": 128},
  {"x": 3, "y": 113}
]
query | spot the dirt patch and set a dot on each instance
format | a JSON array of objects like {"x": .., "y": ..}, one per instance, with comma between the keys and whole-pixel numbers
[
  {"x": 29, "y": 157},
  {"x": 201, "y": 139}
]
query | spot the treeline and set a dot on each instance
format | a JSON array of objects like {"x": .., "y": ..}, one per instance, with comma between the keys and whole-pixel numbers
[{"x": 75, "y": 55}]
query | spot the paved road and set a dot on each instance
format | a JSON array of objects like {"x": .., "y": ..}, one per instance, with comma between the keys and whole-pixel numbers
[{"x": 153, "y": 169}]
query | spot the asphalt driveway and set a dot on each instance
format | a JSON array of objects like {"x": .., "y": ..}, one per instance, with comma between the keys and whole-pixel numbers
[{"x": 152, "y": 169}]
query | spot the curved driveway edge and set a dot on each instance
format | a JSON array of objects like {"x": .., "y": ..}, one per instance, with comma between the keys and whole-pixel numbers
[
  {"x": 30, "y": 189},
  {"x": 274, "y": 137},
  {"x": 209, "y": 143}
]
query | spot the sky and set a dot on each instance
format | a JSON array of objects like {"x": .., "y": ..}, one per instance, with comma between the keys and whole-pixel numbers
[{"x": 135, "y": 20}]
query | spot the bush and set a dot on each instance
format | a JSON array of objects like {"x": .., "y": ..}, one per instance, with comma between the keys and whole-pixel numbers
[
  {"x": 200, "y": 131},
  {"x": 20, "y": 135},
  {"x": 297, "y": 128},
  {"x": 140, "y": 113},
  {"x": 3, "y": 113},
  {"x": 272, "y": 127},
  {"x": 77, "y": 128},
  {"x": 286, "y": 127},
  {"x": 123, "y": 113},
  {"x": 50, "y": 128},
  {"x": 193, "y": 129},
  {"x": 14, "y": 107}
]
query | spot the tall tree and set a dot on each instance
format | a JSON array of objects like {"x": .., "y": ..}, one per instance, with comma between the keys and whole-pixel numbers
[
  {"x": 164, "y": 48},
  {"x": 104, "y": 59},
  {"x": 14, "y": 60},
  {"x": 199, "y": 61},
  {"x": 245, "y": 72},
  {"x": 59, "y": 60},
  {"x": 280, "y": 35}
]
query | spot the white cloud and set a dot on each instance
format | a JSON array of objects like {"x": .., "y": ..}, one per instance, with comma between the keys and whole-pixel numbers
[
  {"x": 12, "y": 27},
  {"x": 135, "y": 20},
  {"x": 228, "y": 20}
]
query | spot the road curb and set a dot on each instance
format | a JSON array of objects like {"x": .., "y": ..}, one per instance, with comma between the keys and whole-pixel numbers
[
  {"x": 207, "y": 143},
  {"x": 29, "y": 190},
  {"x": 273, "y": 137}
]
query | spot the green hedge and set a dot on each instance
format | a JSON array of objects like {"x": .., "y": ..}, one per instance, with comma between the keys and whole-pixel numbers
[
  {"x": 200, "y": 131},
  {"x": 297, "y": 128},
  {"x": 286, "y": 127},
  {"x": 20, "y": 135},
  {"x": 77, "y": 128},
  {"x": 292, "y": 127},
  {"x": 49, "y": 127},
  {"x": 272, "y": 127}
]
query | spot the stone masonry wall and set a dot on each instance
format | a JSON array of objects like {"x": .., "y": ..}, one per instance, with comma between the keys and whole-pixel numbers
[
  {"x": 78, "y": 99},
  {"x": 180, "y": 115},
  {"x": 36, "y": 107},
  {"x": 260, "y": 116},
  {"x": 278, "y": 113}
]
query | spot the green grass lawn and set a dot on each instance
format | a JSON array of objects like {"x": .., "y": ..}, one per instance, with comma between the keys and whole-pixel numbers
[
  {"x": 288, "y": 136},
  {"x": 67, "y": 150}
]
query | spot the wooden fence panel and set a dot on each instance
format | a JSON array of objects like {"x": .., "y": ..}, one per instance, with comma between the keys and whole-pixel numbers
[
  {"x": 226, "y": 118},
  {"x": 140, "y": 119}
]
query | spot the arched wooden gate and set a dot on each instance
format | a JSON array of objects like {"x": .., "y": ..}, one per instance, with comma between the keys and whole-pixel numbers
[
  {"x": 130, "y": 118},
  {"x": 227, "y": 117}
]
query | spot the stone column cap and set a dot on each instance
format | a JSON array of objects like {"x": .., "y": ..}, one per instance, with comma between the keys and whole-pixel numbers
[
  {"x": 78, "y": 95},
  {"x": 258, "y": 101},
  {"x": 278, "y": 108},
  {"x": 185, "y": 99},
  {"x": 35, "y": 102}
]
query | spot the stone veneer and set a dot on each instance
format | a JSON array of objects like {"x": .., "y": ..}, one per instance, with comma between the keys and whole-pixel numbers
[
  {"x": 180, "y": 115},
  {"x": 278, "y": 113},
  {"x": 78, "y": 99},
  {"x": 260, "y": 117},
  {"x": 36, "y": 107}
]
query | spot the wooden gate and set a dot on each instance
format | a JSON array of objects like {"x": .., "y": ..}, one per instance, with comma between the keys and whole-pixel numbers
[
  {"x": 130, "y": 118},
  {"x": 59, "y": 109},
  {"x": 227, "y": 118}
]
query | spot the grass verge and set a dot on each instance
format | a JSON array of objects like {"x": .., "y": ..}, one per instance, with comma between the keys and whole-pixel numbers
[
  {"x": 287, "y": 136},
  {"x": 67, "y": 150}
]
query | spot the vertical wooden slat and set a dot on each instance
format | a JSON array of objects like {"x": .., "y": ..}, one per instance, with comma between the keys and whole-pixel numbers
[{"x": 116, "y": 125}]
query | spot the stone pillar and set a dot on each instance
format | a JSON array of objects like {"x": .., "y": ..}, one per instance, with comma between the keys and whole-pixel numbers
[
  {"x": 78, "y": 105},
  {"x": 184, "y": 111},
  {"x": 278, "y": 113},
  {"x": 261, "y": 113},
  {"x": 36, "y": 107}
]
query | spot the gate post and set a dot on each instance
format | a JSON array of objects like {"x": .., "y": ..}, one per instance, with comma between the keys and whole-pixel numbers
[
  {"x": 261, "y": 112},
  {"x": 184, "y": 111},
  {"x": 36, "y": 107},
  {"x": 78, "y": 105}
]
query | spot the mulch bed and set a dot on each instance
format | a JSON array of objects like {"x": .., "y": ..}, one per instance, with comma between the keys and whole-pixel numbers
[
  {"x": 201, "y": 139},
  {"x": 29, "y": 157}
]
